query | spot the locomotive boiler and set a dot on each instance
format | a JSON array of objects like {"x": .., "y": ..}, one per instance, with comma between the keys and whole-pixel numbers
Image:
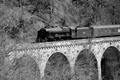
[{"x": 67, "y": 33}]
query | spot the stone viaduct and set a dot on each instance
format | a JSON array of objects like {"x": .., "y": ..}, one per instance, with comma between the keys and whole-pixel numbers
[{"x": 41, "y": 52}]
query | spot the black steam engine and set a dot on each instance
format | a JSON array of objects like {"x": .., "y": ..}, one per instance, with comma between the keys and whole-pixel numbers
[{"x": 67, "y": 33}]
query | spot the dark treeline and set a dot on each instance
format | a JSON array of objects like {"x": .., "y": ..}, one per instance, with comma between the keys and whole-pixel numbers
[{"x": 74, "y": 12}]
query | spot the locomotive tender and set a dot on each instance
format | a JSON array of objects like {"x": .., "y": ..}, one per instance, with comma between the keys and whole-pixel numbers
[{"x": 67, "y": 33}]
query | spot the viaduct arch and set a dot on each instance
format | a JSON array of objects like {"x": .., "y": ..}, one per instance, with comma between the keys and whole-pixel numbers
[
  {"x": 57, "y": 67},
  {"x": 110, "y": 64},
  {"x": 86, "y": 66},
  {"x": 22, "y": 68}
]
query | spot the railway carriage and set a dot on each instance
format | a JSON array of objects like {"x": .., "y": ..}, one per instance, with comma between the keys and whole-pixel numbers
[{"x": 106, "y": 30}]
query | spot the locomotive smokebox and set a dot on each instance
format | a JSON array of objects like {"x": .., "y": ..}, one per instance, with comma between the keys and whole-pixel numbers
[{"x": 41, "y": 35}]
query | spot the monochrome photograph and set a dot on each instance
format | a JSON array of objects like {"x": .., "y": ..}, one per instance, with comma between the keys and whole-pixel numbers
[{"x": 59, "y": 39}]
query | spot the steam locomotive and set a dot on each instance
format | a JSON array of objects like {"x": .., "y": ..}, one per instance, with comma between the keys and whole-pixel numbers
[{"x": 67, "y": 33}]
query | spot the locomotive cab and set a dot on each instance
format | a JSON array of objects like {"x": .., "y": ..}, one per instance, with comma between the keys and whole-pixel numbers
[{"x": 73, "y": 31}]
